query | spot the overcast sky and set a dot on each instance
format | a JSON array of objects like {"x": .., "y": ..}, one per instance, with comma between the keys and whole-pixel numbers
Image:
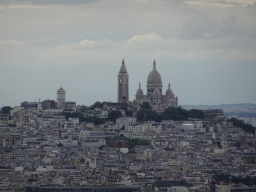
[{"x": 206, "y": 49}]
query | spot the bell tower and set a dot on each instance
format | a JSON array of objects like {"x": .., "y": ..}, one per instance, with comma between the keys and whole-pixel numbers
[{"x": 123, "y": 85}]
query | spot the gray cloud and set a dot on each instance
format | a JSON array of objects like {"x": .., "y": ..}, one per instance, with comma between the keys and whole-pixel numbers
[
  {"x": 46, "y": 2},
  {"x": 228, "y": 27},
  {"x": 252, "y": 6},
  {"x": 198, "y": 28},
  {"x": 205, "y": 50},
  {"x": 206, "y": 28}
]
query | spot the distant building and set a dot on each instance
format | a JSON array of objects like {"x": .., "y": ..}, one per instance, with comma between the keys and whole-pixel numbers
[
  {"x": 80, "y": 189},
  {"x": 154, "y": 95},
  {"x": 68, "y": 104},
  {"x": 119, "y": 144},
  {"x": 4, "y": 116},
  {"x": 60, "y": 96},
  {"x": 48, "y": 104},
  {"x": 188, "y": 128},
  {"x": 214, "y": 115},
  {"x": 114, "y": 106},
  {"x": 29, "y": 105}
]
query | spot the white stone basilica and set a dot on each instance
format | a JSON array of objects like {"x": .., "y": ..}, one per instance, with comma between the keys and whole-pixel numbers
[{"x": 154, "y": 95}]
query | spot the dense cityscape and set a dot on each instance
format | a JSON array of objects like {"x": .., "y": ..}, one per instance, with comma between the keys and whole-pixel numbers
[{"x": 148, "y": 144}]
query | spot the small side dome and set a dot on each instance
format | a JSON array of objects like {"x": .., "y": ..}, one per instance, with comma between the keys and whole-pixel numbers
[
  {"x": 169, "y": 91},
  {"x": 139, "y": 91}
]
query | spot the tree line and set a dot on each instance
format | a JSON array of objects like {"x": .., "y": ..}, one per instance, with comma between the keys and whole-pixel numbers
[
  {"x": 239, "y": 123},
  {"x": 144, "y": 114},
  {"x": 171, "y": 113},
  {"x": 131, "y": 142},
  {"x": 112, "y": 116}
]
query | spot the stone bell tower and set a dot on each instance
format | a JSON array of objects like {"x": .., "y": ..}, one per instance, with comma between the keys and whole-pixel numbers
[{"x": 123, "y": 85}]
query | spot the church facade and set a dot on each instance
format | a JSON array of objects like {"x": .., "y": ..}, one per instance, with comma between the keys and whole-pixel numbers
[{"x": 154, "y": 96}]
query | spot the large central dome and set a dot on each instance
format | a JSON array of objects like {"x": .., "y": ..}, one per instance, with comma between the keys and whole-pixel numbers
[{"x": 154, "y": 76}]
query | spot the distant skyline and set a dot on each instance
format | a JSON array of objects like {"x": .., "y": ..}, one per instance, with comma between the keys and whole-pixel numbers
[{"x": 206, "y": 49}]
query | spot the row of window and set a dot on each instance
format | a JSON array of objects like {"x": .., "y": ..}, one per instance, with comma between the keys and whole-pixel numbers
[{"x": 121, "y": 80}]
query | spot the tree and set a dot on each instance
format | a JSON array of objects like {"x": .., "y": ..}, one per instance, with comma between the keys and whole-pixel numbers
[
  {"x": 148, "y": 115},
  {"x": 6, "y": 109},
  {"x": 129, "y": 112},
  {"x": 60, "y": 145},
  {"x": 246, "y": 127},
  {"x": 99, "y": 121},
  {"x": 94, "y": 120},
  {"x": 97, "y": 104},
  {"x": 179, "y": 114},
  {"x": 195, "y": 113},
  {"x": 140, "y": 115},
  {"x": 131, "y": 142},
  {"x": 176, "y": 114},
  {"x": 145, "y": 105},
  {"x": 69, "y": 114},
  {"x": 113, "y": 115},
  {"x": 152, "y": 116}
]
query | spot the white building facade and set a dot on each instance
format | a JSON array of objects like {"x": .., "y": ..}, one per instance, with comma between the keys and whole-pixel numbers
[{"x": 154, "y": 95}]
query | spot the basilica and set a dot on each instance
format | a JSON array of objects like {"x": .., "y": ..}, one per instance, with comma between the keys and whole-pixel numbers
[{"x": 154, "y": 95}]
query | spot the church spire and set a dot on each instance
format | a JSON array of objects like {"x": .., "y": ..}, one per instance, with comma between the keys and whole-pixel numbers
[
  {"x": 123, "y": 68},
  {"x": 139, "y": 85},
  {"x": 169, "y": 86},
  {"x": 154, "y": 64}
]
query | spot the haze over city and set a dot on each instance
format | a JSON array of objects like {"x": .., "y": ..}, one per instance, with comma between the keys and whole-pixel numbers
[{"x": 205, "y": 49}]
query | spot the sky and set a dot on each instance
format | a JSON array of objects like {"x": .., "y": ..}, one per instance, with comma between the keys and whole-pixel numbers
[{"x": 205, "y": 49}]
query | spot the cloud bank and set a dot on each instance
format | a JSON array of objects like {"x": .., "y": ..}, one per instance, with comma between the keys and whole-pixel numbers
[{"x": 206, "y": 49}]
